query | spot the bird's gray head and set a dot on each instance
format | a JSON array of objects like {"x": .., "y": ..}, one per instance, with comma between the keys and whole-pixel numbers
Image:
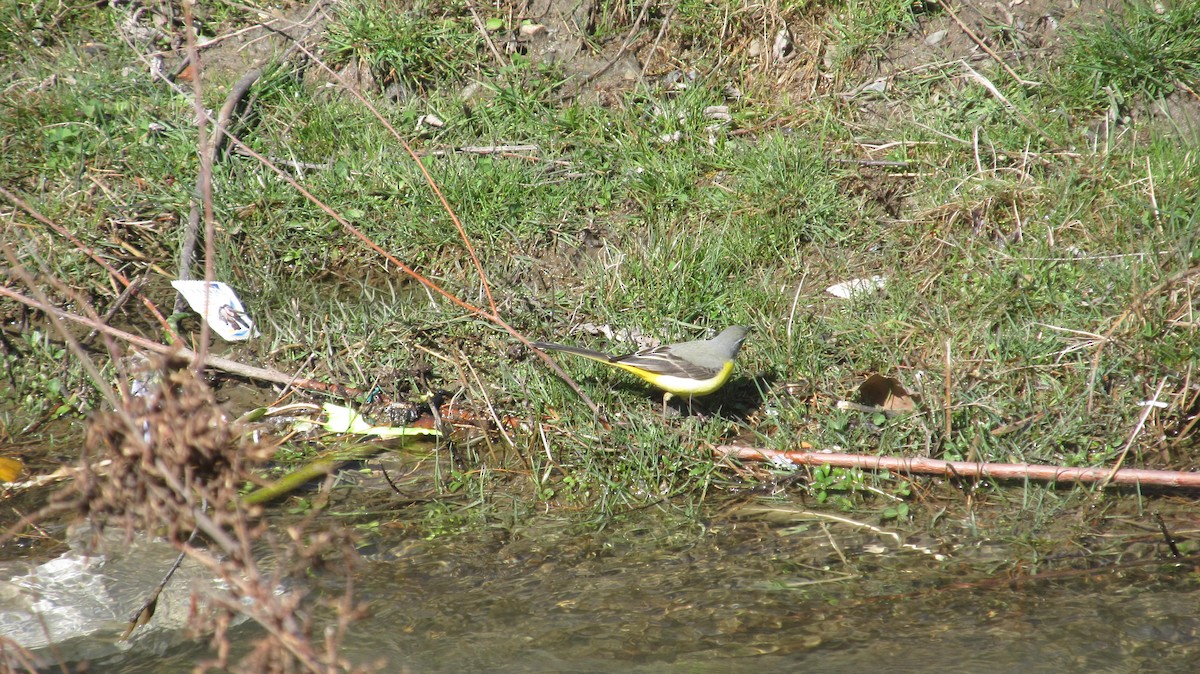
[{"x": 732, "y": 337}]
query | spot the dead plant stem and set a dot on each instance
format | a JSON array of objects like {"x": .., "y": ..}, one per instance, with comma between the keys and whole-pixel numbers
[
  {"x": 1148, "y": 407},
  {"x": 983, "y": 45}
]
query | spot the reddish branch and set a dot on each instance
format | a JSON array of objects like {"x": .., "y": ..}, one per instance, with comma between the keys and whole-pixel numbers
[
  {"x": 997, "y": 471},
  {"x": 125, "y": 282},
  {"x": 230, "y": 366},
  {"x": 492, "y": 313}
]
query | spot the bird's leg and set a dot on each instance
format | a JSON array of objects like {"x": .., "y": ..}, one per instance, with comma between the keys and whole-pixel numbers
[
  {"x": 697, "y": 408},
  {"x": 666, "y": 396}
]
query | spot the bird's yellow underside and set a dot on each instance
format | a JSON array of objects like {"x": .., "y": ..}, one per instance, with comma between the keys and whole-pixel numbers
[{"x": 681, "y": 386}]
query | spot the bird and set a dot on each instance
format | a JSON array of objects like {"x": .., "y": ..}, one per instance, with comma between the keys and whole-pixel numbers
[{"x": 686, "y": 369}]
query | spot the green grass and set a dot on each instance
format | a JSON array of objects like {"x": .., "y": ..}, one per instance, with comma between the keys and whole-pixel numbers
[
  {"x": 858, "y": 28},
  {"x": 638, "y": 215},
  {"x": 420, "y": 48},
  {"x": 1137, "y": 53}
]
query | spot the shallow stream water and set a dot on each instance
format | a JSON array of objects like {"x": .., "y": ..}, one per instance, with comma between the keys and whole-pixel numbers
[
  {"x": 744, "y": 597},
  {"x": 657, "y": 594}
]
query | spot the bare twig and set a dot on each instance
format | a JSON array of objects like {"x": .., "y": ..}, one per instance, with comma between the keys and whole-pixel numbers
[
  {"x": 146, "y": 611},
  {"x": 1167, "y": 537},
  {"x": 205, "y": 149},
  {"x": 1189, "y": 404},
  {"x": 658, "y": 38},
  {"x": 129, "y": 291},
  {"x": 795, "y": 302},
  {"x": 483, "y": 32},
  {"x": 230, "y": 366},
  {"x": 1150, "y": 190},
  {"x": 234, "y": 99},
  {"x": 1137, "y": 303},
  {"x": 872, "y": 162},
  {"x": 483, "y": 149},
  {"x": 975, "y": 38},
  {"x": 1147, "y": 409},
  {"x": 949, "y": 422},
  {"x": 996, "y": 471},
  {"x": 90, "y": 253},
  {"x": 296, "y": 165}
]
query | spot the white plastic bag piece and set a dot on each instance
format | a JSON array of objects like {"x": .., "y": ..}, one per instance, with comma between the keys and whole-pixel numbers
[{"x": 226, "y": 315}]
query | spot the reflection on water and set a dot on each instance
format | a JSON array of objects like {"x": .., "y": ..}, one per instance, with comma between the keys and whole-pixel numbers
[
  {"x": 76, "y": 606},
  {"x": 740, "y": 596},
  {"x": 743, "y": 598}
]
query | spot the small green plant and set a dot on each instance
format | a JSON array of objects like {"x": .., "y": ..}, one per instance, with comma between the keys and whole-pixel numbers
[
  {"x": 411, "y": 48},
  {"x": 1138, "y": 52},
  {"x": 50, "y": 390},
  {"x": 896, "y": 512},
  {"x": 862, "y": 26},
  {"x": 836, "y": 485},
  {"x": 573, "y": 488},
  {"x": 899, "y": 511},
  {"x": 370, "y": 527}
]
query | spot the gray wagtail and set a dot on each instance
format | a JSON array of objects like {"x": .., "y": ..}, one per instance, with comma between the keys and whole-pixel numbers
[{"x": 687, "y": 369}]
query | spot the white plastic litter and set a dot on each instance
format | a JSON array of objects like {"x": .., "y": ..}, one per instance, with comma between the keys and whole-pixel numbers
[{"x": 225, "y": 313}]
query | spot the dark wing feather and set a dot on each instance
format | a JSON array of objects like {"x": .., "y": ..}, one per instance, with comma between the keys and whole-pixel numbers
[{"x": 661, "y": 361}]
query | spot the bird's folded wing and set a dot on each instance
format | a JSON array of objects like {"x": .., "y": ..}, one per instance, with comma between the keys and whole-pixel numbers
[{"x": 661, "y": 361}]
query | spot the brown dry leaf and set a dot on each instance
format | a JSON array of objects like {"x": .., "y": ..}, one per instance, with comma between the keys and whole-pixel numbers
[{"x": 886, "y": 393}]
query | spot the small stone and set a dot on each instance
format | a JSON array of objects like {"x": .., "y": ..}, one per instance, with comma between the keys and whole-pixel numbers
[
  {"x": 471, "y": 91},
  {"x": 719, "y": 113}
]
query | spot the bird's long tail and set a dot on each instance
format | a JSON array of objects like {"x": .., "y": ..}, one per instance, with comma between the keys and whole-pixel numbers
[{"x": 578, "y": 351}]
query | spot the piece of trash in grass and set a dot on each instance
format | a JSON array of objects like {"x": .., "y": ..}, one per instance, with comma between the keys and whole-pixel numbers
[
  {"x": 430, "y": 120},
  {"x": 10, "y": 469},
  {"x": 225, "y": 313},
  {"x": 782, "y": 461},
  {"x": 858, "y": 286},
  {"x": 340, "y": 419},
  {"x": 531, "y": 29},
  {"x": 782, "y": 49}
]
